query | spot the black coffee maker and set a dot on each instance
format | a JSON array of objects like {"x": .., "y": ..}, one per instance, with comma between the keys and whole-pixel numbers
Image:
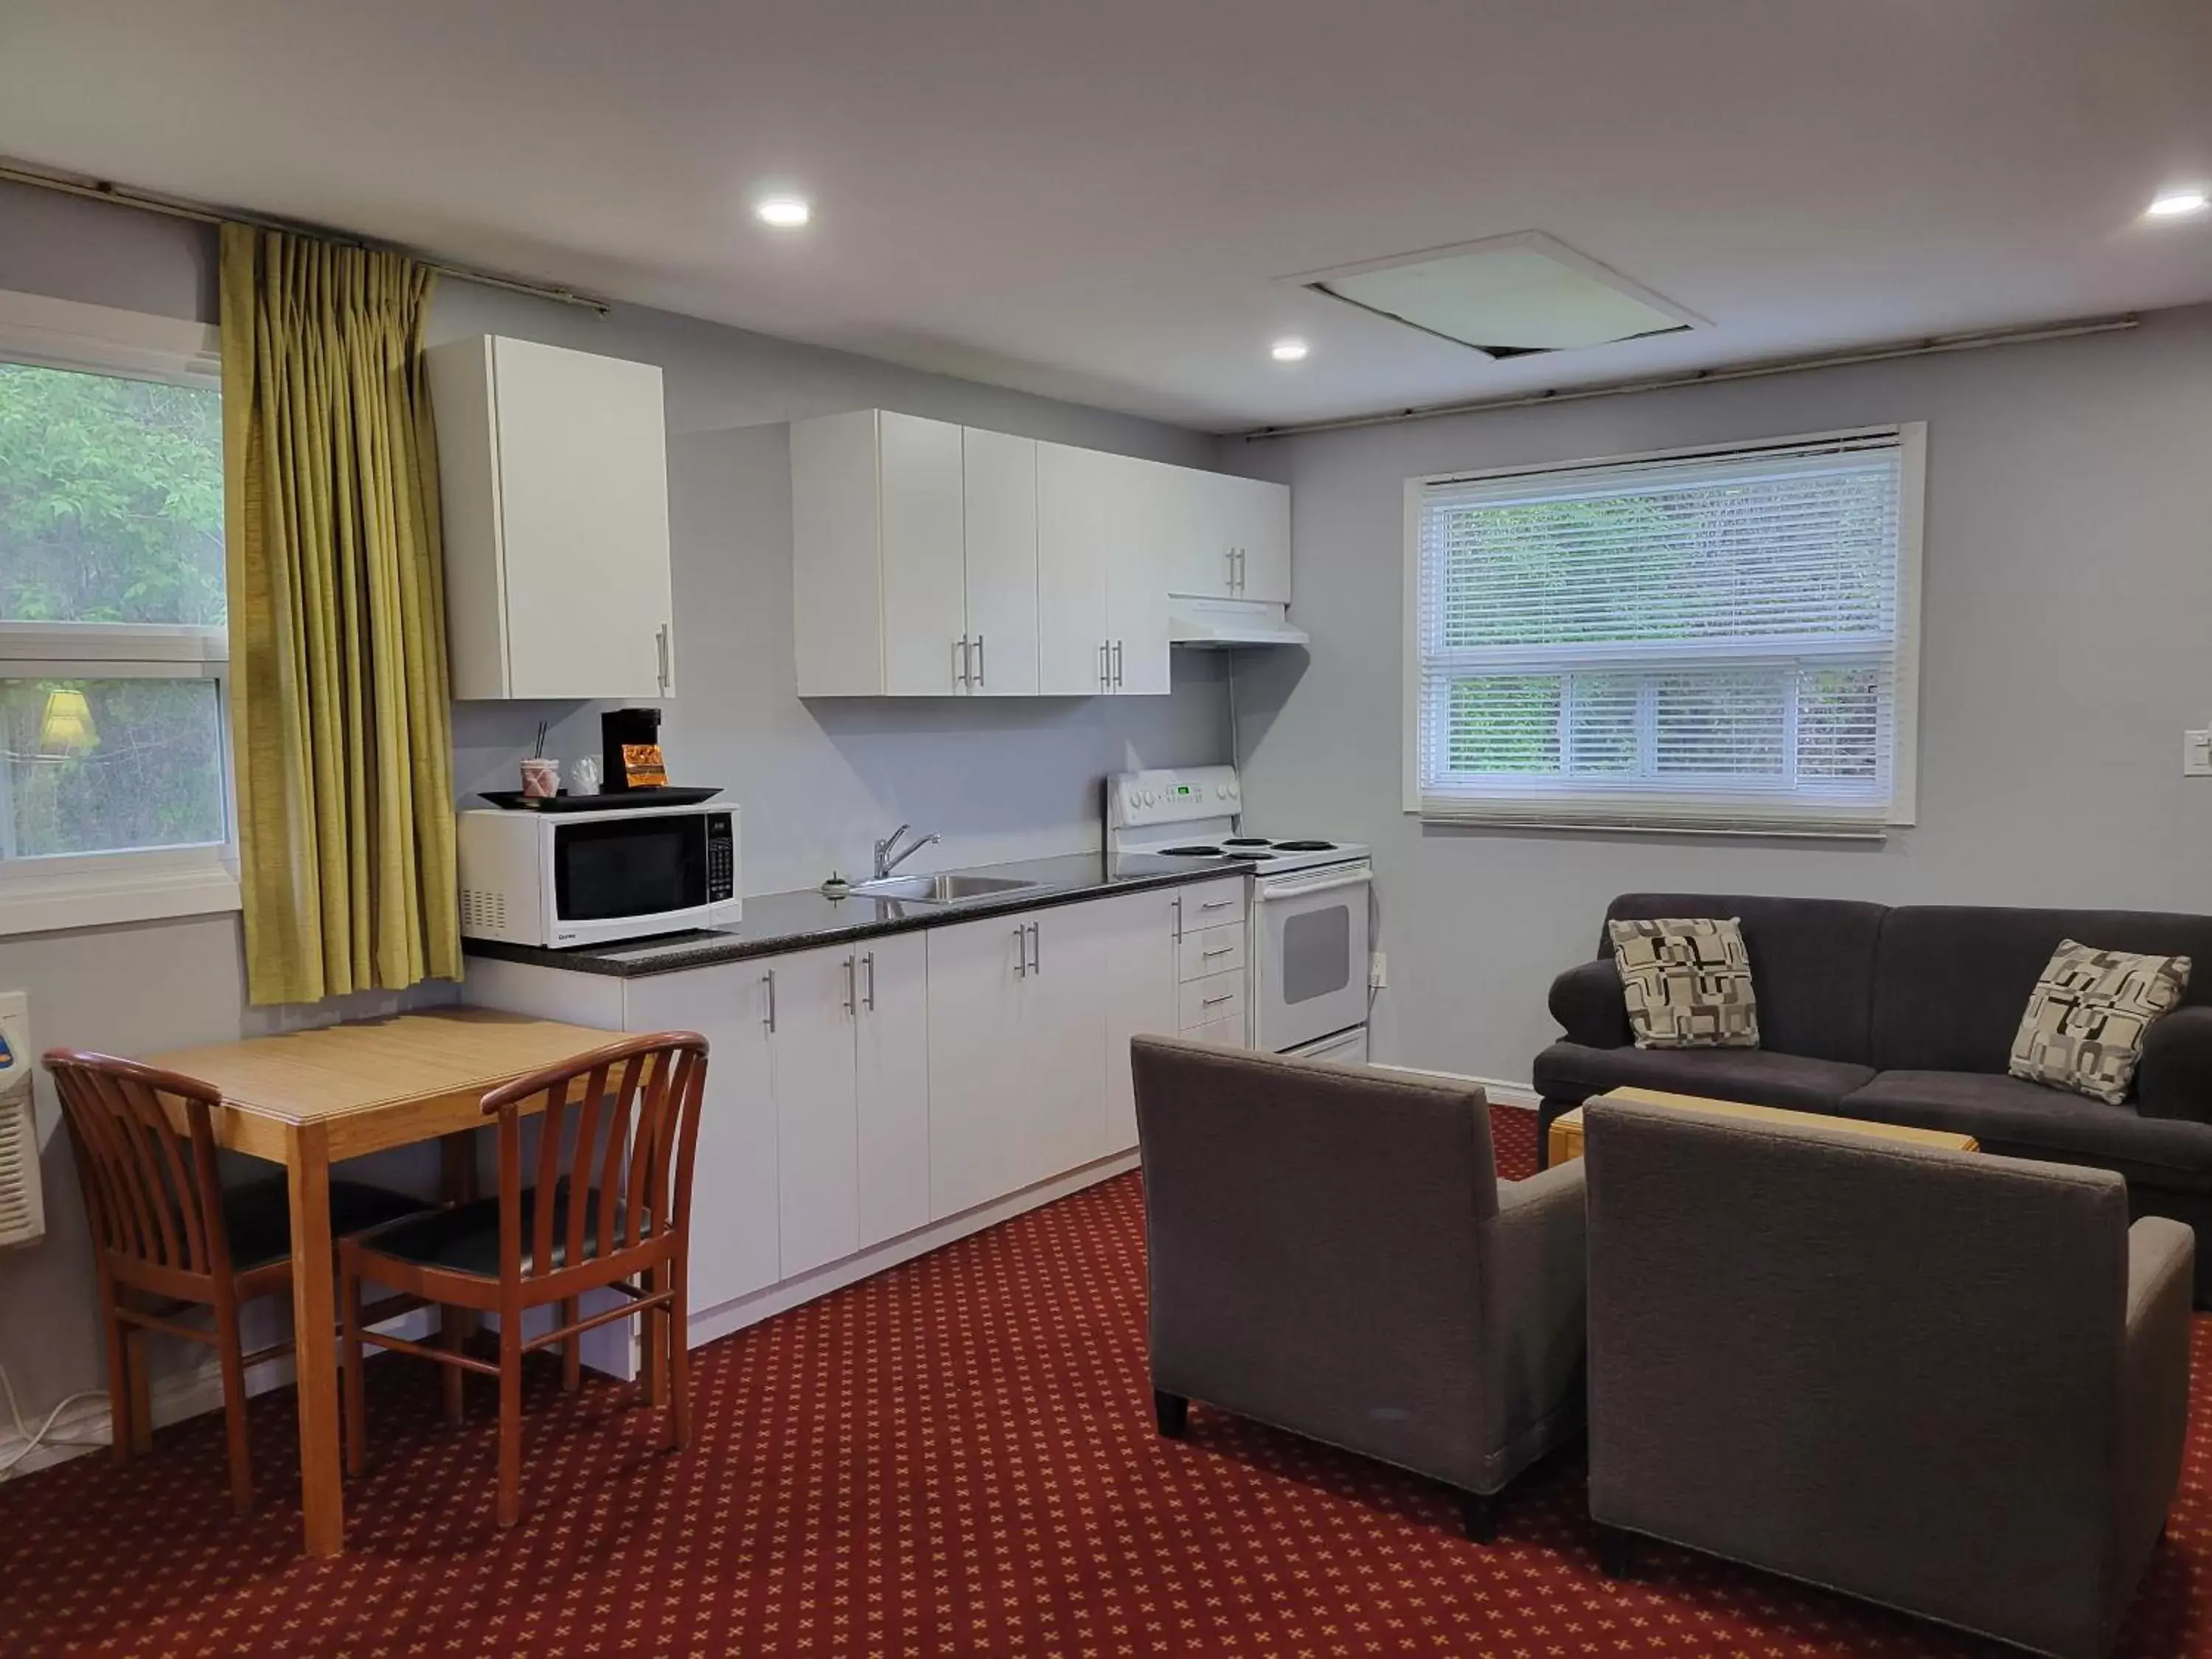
[{"x": 631, "y": 739}]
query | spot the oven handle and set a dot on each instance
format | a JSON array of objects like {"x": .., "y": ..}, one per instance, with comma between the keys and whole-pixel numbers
[{"x": 1285, "y": 890}]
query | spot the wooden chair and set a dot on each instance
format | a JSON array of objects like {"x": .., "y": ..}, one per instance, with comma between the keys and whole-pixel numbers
[
  {"x": 611, "y": 1210},
  {"x": 169, "y": 1237}
]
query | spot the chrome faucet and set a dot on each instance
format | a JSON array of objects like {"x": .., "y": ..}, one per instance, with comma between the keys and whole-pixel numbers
[{"x": 889, "y": 855}]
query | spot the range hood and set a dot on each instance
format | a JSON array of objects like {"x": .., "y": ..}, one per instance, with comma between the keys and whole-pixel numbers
[{"x": 1223, "y": 624}]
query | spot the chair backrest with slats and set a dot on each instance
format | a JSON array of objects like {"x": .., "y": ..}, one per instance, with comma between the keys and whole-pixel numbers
[
  {"x": 153, "y": 1191},
  {"x": 616, "y": 1133}
]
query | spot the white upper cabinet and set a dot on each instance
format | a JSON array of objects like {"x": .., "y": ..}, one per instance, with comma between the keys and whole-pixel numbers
[
  {"x": 1237, "y": 544},
  {"x": 914, "y": 551},
  {"x": 934, "y": 560},
  {"x": 1000, "y": 476},
  {"x": 1103, "y": 522},
  {"x": 554, "y": 478}
]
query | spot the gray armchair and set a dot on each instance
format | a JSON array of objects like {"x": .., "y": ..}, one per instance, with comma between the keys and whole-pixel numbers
[
  {"x": 1332, "y": 1253},
  {"x": 1952, "y": 1383}
]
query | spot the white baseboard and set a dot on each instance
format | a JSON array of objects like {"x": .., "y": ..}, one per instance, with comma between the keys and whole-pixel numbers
[
  {"x": 1499, "y": 1091},
  {"x": 83, "y": 1427}
]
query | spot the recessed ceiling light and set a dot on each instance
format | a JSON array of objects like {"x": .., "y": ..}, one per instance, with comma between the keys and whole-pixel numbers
[
  {"x": 1288, "y": 351},
  {"x": 2177, "y": 204},
  {"x": 784, "y": 212}
]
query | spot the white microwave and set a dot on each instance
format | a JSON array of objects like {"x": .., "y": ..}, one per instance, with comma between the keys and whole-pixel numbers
[{"x": 562, "y": 879}]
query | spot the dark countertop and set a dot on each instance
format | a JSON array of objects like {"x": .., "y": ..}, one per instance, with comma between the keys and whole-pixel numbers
[{"x": 777, "y": 922}]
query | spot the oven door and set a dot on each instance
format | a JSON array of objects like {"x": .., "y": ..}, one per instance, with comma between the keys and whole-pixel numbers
[
  {"x": 624, "y": 877},
  {"x": 1309, "y": 955}
]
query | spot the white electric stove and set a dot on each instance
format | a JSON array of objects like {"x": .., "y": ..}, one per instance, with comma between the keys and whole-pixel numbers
[{"x": 1307, "y": 919}]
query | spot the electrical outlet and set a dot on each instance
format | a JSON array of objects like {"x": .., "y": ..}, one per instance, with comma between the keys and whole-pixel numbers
[
  {"x": 1378, "y": 971},
  {"x": 2196, "y": 754}
]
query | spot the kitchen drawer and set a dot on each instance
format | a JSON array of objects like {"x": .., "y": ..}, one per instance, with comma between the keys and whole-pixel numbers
[
  {"x": 1225, "y": 1033},
  {"x": 1212, "y": 950},
  {"x": 1212, "y": 904},
  {"x": 1212, "y": 998}
]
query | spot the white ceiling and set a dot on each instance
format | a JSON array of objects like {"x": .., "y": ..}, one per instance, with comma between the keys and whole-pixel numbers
[{"x": 1093, "y": 198}]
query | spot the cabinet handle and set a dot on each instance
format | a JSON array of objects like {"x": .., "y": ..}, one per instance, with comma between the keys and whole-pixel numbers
[
  {"x": 960, "y": 662},
  {"x": 870, "y": 1001},
  {"x": 1178, "y": 916},
  {"x": 1244, "y": 567},
  {"x": 1216, "y": 904},
  {"x": 1117, "y": 665},
  {"x": 1105, "y": 666},
  {"x": 979, "y": 662},
  {"x": 852, "y": 989},
  {"x": 1229, "y": 554},
  {"x": 1021, "y": 953},
  {"x": 1208, "y": 1002},
  {"x": 1037, "y": 955},
  {"x": 768, "y": 980},
  {"x": 660, "y": 655},
  {"x": 1220, "y": 951}
]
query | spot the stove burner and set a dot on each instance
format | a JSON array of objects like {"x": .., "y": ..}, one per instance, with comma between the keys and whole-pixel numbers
[
  {"x": 1190, "y": 851},
  {"x": 1305, "y": 846},
  {"x": 1247, "y": 853},
  {"x": 1247, "y": 840}
]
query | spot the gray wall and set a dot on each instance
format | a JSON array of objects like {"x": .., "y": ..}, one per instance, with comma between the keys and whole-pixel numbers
[
  {"x": 2067, "y": 594},
  {"x": 817, "y": 781}
]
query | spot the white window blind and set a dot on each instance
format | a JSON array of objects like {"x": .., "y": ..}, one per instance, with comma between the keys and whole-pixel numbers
[{"x": 1714, "y": 640}]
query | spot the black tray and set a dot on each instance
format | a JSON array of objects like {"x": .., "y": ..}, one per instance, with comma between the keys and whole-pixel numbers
[{"x": 564, "y": 802}]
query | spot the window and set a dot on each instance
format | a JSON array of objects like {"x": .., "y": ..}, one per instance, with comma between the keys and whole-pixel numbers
[
  {"x": 114, "y": 770},
  {"x": 1722, "y": 639}
]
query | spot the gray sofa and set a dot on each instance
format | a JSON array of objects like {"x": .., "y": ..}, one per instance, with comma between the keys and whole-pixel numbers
[
  {"x": 1982, "y": 1422},
  {"x": 1906, "y": 1015},
  {"x": 1331, "y": 1252}
]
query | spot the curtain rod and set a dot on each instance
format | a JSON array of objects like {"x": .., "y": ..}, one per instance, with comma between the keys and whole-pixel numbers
[
  {"x": 177, "y": 207},
  {"x": 1925, "y": 348}
]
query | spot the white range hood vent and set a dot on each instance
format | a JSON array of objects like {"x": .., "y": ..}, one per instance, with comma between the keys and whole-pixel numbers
[
  {"x": 1223, "y": 624},
  {"x": 1506, "y": 296}
]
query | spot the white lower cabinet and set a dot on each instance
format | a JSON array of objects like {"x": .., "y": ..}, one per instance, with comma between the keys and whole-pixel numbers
[
  {"x": 892, "y": 1086},
  {"x": 1138, "y": 931},
  {"x": 1016, "y": 1054},
  {"x": 817, "y": 1129},
  {"x": 735, "y": 1249},
  {"x": 860, "y": 1093}
]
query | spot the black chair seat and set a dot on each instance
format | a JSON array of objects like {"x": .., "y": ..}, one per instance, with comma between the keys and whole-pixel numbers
[
  {"x": 259, "y": 1217},
  {"x": 465, "y": 1239}
]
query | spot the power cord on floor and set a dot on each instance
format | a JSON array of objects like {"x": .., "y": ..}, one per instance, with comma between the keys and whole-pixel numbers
[{"x": 32, "y": 1442}]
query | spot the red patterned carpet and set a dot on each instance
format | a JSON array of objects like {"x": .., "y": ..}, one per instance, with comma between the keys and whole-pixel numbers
[{"x": 955, "y": 1458}]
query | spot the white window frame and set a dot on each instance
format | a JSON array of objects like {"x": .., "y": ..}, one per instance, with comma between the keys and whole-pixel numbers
[
  {"x": 1912, "y": 442},
  {"x": 87, "y": 890}
]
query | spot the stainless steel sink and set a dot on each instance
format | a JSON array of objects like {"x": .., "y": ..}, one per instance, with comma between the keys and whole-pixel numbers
[{"x": 941, "y": 890}]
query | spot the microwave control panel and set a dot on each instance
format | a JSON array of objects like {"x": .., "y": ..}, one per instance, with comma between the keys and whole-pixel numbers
[{"x": 721, "y": 859}]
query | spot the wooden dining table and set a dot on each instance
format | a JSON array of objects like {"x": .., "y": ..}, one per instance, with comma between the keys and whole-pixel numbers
[{"x": 307, "y": 1099}]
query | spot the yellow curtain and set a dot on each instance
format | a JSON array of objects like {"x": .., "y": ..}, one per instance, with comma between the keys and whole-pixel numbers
[{"x": 340, "y": 722}]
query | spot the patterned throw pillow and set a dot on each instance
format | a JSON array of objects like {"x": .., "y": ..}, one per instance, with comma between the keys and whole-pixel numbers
[
  {"x": 1688, "y": 982},
  {"x": 2087, "y": 1014}
]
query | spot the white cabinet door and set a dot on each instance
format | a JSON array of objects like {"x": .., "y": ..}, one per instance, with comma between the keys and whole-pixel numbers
[
  {"x": 1063, "y": 1035},
  {"x": 836, "y": 563},
  {"x": 583, "y": 487},
  {"x": 892, "y": 1086},
  {"x": 979, "y": 1053},
  {"x": 735, "y": 1249},
  {"x": 1145, "y": 505},
  {"x": 1001, "y": 488},
  {"x": 1137, "y": 934},
  {"x": 922, "y": 528},
  {"x": 1259, "y": 531},
  {"x": 816, "y": 1119},
  {"x": 1074, "y": 542},
  {"x": 1201, "y": 559}
]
